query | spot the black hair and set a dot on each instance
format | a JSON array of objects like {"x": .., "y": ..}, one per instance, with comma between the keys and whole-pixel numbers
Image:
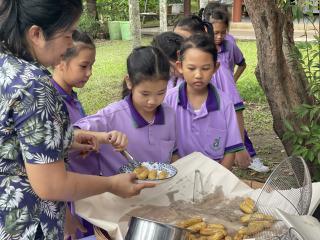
[
  {"x": 202, "y": 42},
  {"x": 81, "y": 40},
  {"x": 194, "y": 24},
  {"x": 146, "y": 63},
  {"x": 169, "y": 43},
  {"x": 17, "y": 16},
  {"x": 216, "y": 11}
]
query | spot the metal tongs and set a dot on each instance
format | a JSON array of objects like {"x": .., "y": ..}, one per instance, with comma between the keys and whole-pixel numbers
[{"x": 132, "y": 162}]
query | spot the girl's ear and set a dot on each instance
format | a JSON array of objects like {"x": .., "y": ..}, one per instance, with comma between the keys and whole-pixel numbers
[
  {"x": 216, "y": 66},
  {"x": 179, "y": 67},
  {"x": 128, "y": 82},
  {"x": 62, "y": 66}
]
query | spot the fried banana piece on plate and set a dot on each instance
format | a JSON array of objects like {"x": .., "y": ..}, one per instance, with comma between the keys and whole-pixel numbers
[
  {"x": 217, "y": 236},
  {"x": 247, "y": 206},
  {"x": 211, "y": 231},
  {"x": 216, "y": 225},
  {"x": 188, "y": 222},
  {"x": 142, "y": 174},
  {"x": 162, "y": 175},
  {"x": 238, "y": 236},
  {"x": 152, "y": 174},
  {"x": 190, "y": 236},
  {"x": 228, "y": 238},
  {"x": 196, "y": 227}
]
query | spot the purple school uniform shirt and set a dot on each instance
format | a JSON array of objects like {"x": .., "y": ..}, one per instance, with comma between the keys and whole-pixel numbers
[
  {"x": 230, "y": 54},
  {"x": 74, "y": 106},
  {"x": 147, "y": 141},
  {"x": 224, "y": 81},
  {"x": 213, "y": 130}
]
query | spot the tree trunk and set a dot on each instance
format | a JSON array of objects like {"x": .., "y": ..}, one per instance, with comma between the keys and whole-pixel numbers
[
  {"x": 163, "y": 15},
  {"x": 92, "y": 8},
  {"x": 135, "y": 24},
  {"x": 278, "y": 71},
  {"x": 187, "y": 7}
]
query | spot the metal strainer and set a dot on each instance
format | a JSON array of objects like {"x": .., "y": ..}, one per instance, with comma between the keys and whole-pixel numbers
[{"x": 288, "y": 188}]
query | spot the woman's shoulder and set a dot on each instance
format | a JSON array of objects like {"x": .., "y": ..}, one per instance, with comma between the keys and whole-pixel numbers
[{"x": 18, "y": 72}]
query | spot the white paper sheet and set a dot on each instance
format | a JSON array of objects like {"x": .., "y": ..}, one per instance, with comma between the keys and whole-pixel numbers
[{"x": 106, "y": 210}]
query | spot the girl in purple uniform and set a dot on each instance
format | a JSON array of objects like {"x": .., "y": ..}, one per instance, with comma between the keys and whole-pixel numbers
[
  {"x": 148, "y": 124},
  {"x": 170, "y": 43},
  {"x": 230, "y": 55},
  {"x": 74, "y": 71},
  {"x": 189, "y": 25},
  {"x": 206, "y": 120},
  {"x": 222, "y": 79}
]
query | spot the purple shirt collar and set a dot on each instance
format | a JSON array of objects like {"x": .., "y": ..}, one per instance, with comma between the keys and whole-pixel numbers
[
  {"x": 213, "y": 100},
  {"x": 69, "y": 98},
  {"x": 223, "y": 46},
  {"x": 139, "y": 120}
]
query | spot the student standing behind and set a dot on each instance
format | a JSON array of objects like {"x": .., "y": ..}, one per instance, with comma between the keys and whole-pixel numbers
[
  {"x": 148, "y": 124},
  {"x": 222, "y": 78},
  {"x": 170, "y": 43},
  {"x": 189, "y": 25},
  {"x": 230, "y": 55},
  {"x": 206, "y": 120}
]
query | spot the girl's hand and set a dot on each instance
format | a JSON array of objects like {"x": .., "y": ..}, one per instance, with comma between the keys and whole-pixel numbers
[
  {"x": 243, "y": 159},
  {"x": 84, "y": 142},
  {"x": 71, "y": 225},
  {"x": 118, "y": 140},
  {"x": 124, "y": 186}
]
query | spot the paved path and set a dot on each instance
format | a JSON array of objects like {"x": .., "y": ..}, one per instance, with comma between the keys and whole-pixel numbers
[{"x": 244, "y": 31}]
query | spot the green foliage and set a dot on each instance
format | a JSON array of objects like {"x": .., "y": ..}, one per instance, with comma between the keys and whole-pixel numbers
[
  {"x": 306, "y": 137},
  {"x": 113, "y": 10},
  {"x": 119, "y": 10},
  {"x": 89, "y": 25}
]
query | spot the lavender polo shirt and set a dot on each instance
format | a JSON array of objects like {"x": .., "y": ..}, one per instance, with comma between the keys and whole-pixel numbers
[
  {"x": 147, "y": 141},
  {"x": 224, "y": 81},
  {"x": 230, "y": 54},
  {"x": 213, "y": 130},
  {"x": 74, "y": 106},
  {"x": 174, "y": 81}
]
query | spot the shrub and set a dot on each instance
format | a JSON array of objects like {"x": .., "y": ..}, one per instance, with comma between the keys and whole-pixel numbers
[
  {"x": 89, "y": 25},
  {"x": 306, "y": 137}
]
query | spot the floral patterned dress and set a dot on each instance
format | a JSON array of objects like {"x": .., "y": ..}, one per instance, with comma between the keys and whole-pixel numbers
[{"x": 34, "y": 128}]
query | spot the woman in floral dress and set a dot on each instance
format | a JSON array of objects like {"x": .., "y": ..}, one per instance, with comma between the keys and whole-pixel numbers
[{"x": 35, "y": 131}]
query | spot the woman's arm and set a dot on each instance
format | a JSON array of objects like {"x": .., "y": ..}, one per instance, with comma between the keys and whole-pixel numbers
[{"x": 51, "y": 181}]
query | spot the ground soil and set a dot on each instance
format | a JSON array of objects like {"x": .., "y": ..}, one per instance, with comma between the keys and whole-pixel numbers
[{"x": 259, "y": 124}]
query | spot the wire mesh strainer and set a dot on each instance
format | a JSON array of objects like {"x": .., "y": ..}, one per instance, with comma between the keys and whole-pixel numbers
[{"x": 289, "y": 189}]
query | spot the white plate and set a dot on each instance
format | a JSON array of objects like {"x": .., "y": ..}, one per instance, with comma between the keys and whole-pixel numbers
[{"x": 171, "y": 170}]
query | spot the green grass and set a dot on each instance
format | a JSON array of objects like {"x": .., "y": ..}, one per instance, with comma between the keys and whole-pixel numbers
[
  {"x": 248, "y": 86},
  {"x": 109, "y": 70}
]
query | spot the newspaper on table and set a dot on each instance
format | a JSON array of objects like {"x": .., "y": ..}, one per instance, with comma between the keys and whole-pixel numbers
[{"x": 107, "y": 210}]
